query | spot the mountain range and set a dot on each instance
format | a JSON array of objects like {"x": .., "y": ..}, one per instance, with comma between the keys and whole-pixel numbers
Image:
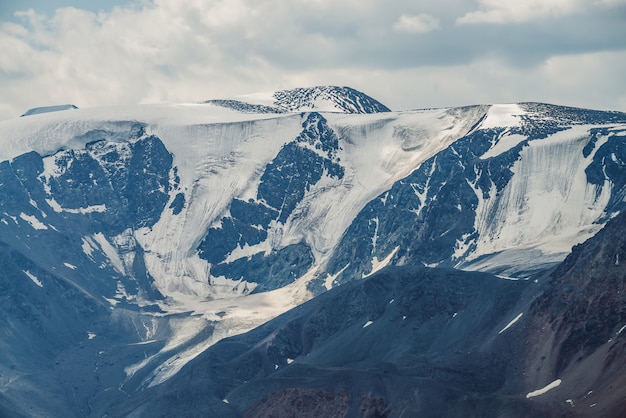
[{"x": 310, "y": 252}]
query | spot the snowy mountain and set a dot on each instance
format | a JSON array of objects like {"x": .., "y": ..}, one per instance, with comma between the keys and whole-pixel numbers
[
  {"x": 511, "y": 196},
  {"x": 316, "y": 99},
  {"x": 135, "y": 238}
]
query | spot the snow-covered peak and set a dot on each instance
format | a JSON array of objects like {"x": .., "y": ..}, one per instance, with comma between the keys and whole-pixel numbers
[{"x": 319, "y": 99}]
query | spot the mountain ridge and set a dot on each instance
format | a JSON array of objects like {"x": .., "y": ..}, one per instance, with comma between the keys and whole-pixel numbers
[
  {"x": 316, "y": 99},
  {"x": 186, "y": 224}
]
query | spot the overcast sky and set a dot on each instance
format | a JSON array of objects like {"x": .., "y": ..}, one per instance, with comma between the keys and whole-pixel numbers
[{"x": 406, "y": 53}]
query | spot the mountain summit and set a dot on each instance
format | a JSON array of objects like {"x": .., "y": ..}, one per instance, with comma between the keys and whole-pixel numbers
[{"x": 306, "y": 99}]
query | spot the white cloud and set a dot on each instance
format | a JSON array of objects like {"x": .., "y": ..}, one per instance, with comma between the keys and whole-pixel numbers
[
  {"x": 191, "y": 50},
  {"x": 590, "y": 80},
  {"x": 517, "y": 11},
  {"x": 596, "y": 83},
  {"x": 421, "y": 23},
  {"x": 611, "y": 3}
]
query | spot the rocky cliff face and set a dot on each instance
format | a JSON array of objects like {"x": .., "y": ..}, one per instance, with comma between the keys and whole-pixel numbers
[{"x": 577, "y": 329}]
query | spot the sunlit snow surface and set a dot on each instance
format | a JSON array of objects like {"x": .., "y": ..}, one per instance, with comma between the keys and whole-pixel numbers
[
  {"x": 503, "y": 115},
  {"x": 510, "y": 324},
  {"x": 545, "y": 389}
]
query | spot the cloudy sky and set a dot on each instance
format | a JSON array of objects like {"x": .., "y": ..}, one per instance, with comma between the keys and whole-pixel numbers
[{"x": 406, "y": 53}]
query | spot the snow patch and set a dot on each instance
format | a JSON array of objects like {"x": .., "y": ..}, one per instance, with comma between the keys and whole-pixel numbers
[
  {"x": 422, "y": 195},
  {"x": 375, "y": 236},
  {"x": 33, "y": 278},
  {"x": 78, "y": 211},
  {"x": 109, "y": 251},
  {"x": 144, "y": 342},
  {"x": 88, "y": 246},
  {"x": 248, "y": 251},
  {"x": 545, "y": 389},
  {"x": 504, "y": 143},
  {"x": 121, "y": 293},
  {"x": 462, "y": 246},
  {"x": 515, "y": 279},
  {"x": 378, "y": 265},
  {"x": 328, "y": 283},
  {"x": 34, "y": 204},
  {"x": 33, "y": 221},
  {"x": 511, "y": 323}
]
